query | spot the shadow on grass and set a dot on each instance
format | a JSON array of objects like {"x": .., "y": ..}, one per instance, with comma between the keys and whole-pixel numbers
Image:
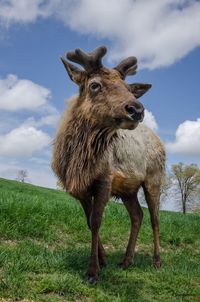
[
  {"x": 113, "y": 280},
  {"x": 76, "y": 259}
]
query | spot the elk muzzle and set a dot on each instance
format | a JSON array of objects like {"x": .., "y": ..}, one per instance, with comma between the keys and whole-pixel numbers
[{"x": 135, "y": 111}]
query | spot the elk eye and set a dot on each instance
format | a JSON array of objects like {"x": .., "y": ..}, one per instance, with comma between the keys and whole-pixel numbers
[{"x": 95, "y": 87}]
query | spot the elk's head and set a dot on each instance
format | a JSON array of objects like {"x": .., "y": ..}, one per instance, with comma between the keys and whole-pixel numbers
[{"x": 105, "y": 98}]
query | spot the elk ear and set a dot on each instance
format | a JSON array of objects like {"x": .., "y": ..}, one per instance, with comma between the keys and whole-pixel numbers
[
  {"x": 75, "y": 74},
  {"x": 139, "y": 89}
]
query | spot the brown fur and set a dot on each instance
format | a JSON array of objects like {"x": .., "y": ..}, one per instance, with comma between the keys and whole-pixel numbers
[
  {"x": 79, "y": 152},
  {"x": 93, "y": 159}
]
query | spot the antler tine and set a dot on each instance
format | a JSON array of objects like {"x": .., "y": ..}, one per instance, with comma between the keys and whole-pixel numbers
[
  {"x": 98, "y": 53},
  {"x": 90, "y": 61},
  {"x": 132, "y": 70},
  {"x": 127, "y": 66}
]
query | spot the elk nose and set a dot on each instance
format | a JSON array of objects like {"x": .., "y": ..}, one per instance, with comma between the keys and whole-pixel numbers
[{"x": 136, "y": 113}]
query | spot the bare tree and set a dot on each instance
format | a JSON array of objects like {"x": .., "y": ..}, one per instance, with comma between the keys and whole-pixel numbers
[
  {"x": 22, "y": 175},
  {"x": 188, "y": 181}
]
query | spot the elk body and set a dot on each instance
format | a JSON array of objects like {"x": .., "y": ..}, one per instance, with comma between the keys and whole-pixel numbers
[{"x": 101, "y": 150}]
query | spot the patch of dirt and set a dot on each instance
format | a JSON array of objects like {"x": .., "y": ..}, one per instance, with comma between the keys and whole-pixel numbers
[
  {"x": 109, "y": 246},
  {"x": 140, "y": 247},
  {"x": 10, "y": 243}
]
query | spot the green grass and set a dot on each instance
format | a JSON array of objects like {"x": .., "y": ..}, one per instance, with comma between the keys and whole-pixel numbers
[{"x": 45, "y": 245}]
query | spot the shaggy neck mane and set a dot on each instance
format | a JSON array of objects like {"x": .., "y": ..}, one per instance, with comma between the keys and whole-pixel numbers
[{"x": 82, "y": 150}]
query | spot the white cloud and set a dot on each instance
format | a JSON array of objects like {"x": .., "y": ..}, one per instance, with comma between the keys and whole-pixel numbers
[
  {"x": 22, "y": 11},
  {"x": 187, "y": 139},
  {"x": 47, "y": 120},
  {"x": 23, "y": 142},
  {"x": 150, "y": 121},
  {"x": 17, "y": 94},
  {"x": 158, "y": 32}
]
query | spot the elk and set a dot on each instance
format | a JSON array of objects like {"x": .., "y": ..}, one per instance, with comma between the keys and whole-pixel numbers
[{"x": 101, "y": 150}]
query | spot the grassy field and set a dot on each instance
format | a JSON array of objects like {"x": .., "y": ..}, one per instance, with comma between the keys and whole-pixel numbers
[{"x": 45, "y": 244}]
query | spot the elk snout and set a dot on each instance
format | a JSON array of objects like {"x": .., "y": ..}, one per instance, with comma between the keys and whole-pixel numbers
[{"x": 135, "y": 111}]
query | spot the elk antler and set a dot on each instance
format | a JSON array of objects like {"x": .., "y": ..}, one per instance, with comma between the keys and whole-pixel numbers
[
  {"x": 127, "y": 67},
  {"x": 91, "y": 61}
]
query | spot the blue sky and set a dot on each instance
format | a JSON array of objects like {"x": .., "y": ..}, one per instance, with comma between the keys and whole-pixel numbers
[{"x": 164, "y": 35}]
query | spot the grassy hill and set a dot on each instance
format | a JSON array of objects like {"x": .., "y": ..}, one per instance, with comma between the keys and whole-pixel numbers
[{"x": 45, "y": 244}]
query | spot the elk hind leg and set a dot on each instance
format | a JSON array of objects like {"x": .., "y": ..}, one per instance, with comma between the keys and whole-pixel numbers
[
  {"x": 152, "y": 195},
  {"x": 136, "y": 214}
]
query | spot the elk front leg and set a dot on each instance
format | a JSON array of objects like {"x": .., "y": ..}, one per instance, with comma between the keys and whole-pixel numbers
[
  {"x": 87, "y": 207},
  {"x": 101, "y": 191}
]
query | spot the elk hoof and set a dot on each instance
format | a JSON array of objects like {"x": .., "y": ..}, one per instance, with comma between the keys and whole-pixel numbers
[
  {"x": 125, "y": 264},
  {"x": 91, "y": 279},
  {"x": 156, "y": 262}
]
